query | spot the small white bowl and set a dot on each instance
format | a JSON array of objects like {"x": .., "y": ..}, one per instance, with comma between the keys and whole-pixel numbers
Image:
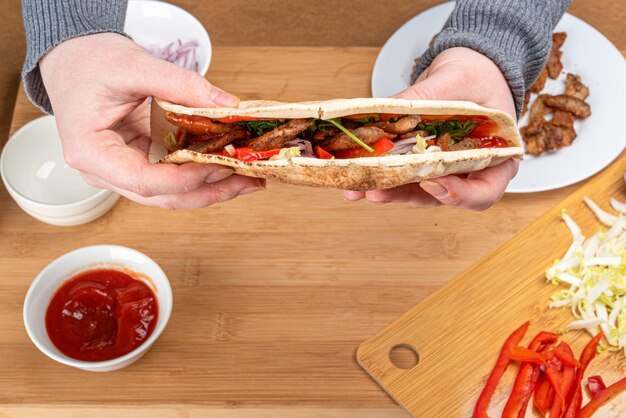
[
  {"x": 42, "y": 184},
  {"x": 152, "y": 22},
  {"x": 67, "y": 266}
]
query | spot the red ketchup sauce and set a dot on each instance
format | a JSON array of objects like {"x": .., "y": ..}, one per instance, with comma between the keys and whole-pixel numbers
[{"x": 101, "y": 314}]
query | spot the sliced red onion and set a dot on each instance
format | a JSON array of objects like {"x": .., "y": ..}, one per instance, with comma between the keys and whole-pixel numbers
[
  {"x": 306, "y": 149},
  {"x": 405, "y": 145},
  {"x": 183, "y": 54},
  {"x": 406, "y": 141},
  {"x": 402, "y": 149}
]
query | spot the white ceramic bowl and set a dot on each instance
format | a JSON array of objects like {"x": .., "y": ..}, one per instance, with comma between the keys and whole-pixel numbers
[
  {"x": 43, "y": 185},
  {"x": 152, "y": 22},
  {"x": 65, "y": 267}
]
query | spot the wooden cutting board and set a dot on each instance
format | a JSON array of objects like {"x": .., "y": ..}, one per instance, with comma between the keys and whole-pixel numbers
[{"x": 459, "y": 330}]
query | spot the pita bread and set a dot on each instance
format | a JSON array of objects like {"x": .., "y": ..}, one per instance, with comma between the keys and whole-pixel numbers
[{"x": 350, "y": 174}]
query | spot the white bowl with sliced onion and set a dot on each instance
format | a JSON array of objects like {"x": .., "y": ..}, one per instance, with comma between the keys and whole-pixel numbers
[{"x": 170, "y": 33}]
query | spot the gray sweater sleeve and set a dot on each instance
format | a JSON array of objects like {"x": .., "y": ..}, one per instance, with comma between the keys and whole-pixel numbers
[
  {"x": 514, "y": 34},
  {"x": 50, "y": 22}
]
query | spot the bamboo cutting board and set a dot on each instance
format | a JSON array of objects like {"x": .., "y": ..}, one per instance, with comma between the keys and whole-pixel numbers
[{"x": 458, "y": 331}]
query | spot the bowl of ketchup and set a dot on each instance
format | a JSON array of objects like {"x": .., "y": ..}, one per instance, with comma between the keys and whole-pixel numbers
[{"x": 98, "y": 308}]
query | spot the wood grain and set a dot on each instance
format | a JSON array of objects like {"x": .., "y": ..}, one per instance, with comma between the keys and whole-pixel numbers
[
  {"x": 459, "y": 330},
  {"x": 273, "y": 291}
]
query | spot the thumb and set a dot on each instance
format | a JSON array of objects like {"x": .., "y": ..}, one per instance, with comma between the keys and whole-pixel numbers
[
  {"x": 179, "y": 85},
  {"x": 418, "y": 91},
  {"x": 433, "y": 86}
]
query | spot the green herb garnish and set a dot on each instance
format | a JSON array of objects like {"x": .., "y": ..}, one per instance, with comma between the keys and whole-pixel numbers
[
  {"x": 259, "y": 127},
  {"x": 337, "y": 122},
  {"x": 457, "y": 130},
  {"x": 368, "y": 120},
  {"x": 323, "y": 125}
]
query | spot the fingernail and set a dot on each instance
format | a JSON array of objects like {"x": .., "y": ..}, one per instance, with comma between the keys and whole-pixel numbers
[
  {"x": 352, "y": 196},
  {"x": 220, "y": 97},
  {"x": 249, "y": 190},
  {"x": 260, "y": 186},
  {"x": 435, "y": 189},
  {"x": 218, "y": 175}
]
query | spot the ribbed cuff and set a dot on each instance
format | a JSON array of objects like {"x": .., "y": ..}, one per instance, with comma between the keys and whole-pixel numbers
[
  {"x": 514, "y": 34},
  {"x": 51, "y": 22}
]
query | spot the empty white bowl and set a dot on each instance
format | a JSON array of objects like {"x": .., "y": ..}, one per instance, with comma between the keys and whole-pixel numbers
[
  {"x": 152, "y": 22},
  {"x": 67, "y": 266},
  {"x": 42, "y": 184}
]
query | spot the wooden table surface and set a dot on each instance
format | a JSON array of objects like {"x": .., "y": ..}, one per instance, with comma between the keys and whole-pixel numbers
[{"x": 273, "y": 291}]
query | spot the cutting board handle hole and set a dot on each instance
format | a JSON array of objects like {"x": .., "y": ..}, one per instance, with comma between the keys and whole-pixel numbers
[{"x": 404, "y": 356}]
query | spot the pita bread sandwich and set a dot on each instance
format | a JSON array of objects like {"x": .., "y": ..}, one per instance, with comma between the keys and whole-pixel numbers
[{"x": 353, "y": 144}]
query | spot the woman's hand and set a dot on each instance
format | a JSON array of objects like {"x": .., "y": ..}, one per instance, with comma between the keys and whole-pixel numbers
[
  {"x": 456, "y": 74},
  {"x": 98, "y": 85}
]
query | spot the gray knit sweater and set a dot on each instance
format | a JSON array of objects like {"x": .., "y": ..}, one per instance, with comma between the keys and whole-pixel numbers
[{"x": 515, "y": 34}]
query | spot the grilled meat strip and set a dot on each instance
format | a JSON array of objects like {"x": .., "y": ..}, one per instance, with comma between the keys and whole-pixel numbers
[
  {"x": 278, "y": 136},
  {"x": 576, "y": 106},
  {"x": 575, "y": 88},
  {"x": 206, "y": 143},
  {"x": 199, "y": 125},
  {"x": 540, "y": 82},
  {"x": 401, "y": 126},
  {"x": 554, "y": 64},
  {"x": 413, "y": 134},
  {"x": 525, "y": 104},
  {"x": 367, "y": 134},
  {"x": 548, "y": 137},
  {"x": 537, "y": 112},
  {"x": 563, "y": 119}
]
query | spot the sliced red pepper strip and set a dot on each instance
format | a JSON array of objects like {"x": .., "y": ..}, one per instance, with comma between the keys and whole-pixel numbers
[
  {"x": 529, "y": 393},
  {"x": 544, "y": 337},
  {"x": 522, "y": 389},
  {"x": 568, "y": 382},
  {"x": 566, "y": 357},
  {"x": 595, "y": 384},
  {"x": 322, "y": 153},
  {"x": 574, "y": 407},
  {"x": 248, "y": 154},
  {"x": 603, "y": 396},
  {"x": 569, "y": 374},
  {"x": 235, "y": 119},
  {"x": 527, "y": 355},
  {"x": 543, "y": 396},
  {"x": 480, "y": 410},
  {"x": 555, "y": 377},
  {"x": 528, "y": 374},
  {"x": 386, "y": 116},
  {"x": 362, "y": 116},
  {"x": 588, "y": 353},
  {"x": 539, "y": 343}
]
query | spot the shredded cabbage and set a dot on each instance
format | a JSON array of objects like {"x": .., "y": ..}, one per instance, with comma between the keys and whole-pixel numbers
[
  {"x": 170, "y": 141},
  {"x": 594, "y": 273},
  {"x": 618, "y": 206},
  {"x": 287, "y": 153},
  {"x": 420, "y": 145}
]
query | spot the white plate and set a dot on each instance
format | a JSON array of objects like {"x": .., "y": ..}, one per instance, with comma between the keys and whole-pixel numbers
[
  {"x": 586, "y": 52},
  {"x": 37, "y": 177},
  {"x": 87, "y": 258},
  {"x": 151, "y": 22}
]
